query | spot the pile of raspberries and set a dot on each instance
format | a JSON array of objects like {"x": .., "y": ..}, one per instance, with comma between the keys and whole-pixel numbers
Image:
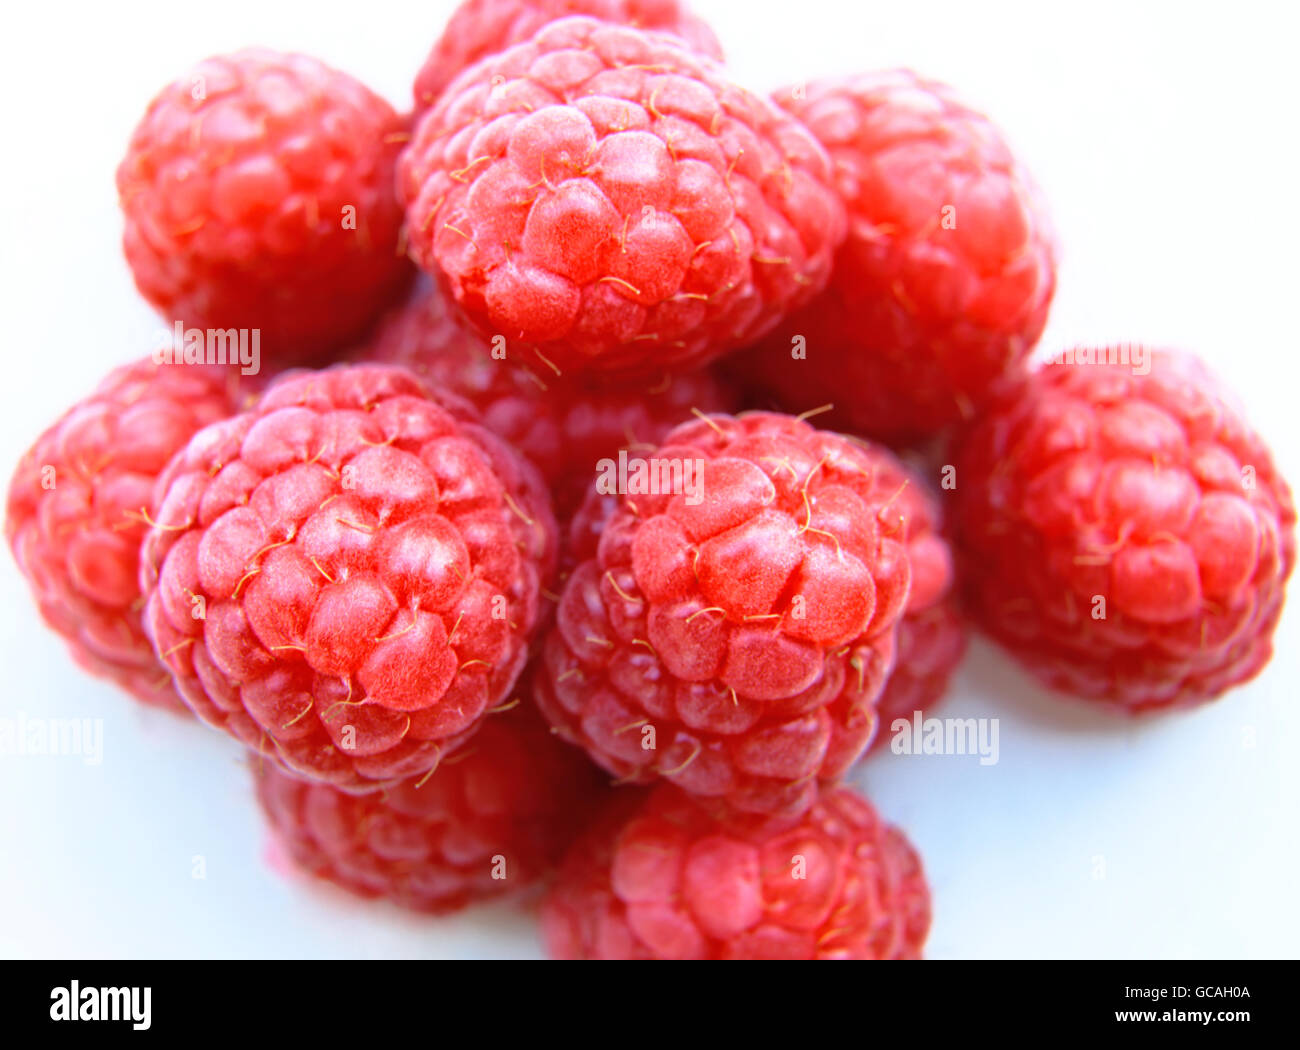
[{"x": 622, "y": 454}]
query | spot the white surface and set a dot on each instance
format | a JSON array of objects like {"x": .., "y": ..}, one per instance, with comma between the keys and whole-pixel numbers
[{"x": 1163, "y": 137}]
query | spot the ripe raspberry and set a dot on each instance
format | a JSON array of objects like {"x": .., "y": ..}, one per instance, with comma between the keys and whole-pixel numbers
[
  {"x": 927, "y": 306},
  {"x": 564, "y": 429},
  {"x": 931, "y": 643},
  {"x": 346, "y": 577},
  {"x": 77, "y": 509},
  {"x": 1125, "y": 535},
  {"x": 580, "y": 535},
  {"x": 610, "y": 200},
  {"x": 259, "y": 193},
  {"x": 734, "y": 638},
  {"x": 662, "y": 878},
  {"x": 931, "y": 633},
  {"x": 479, "y": 28},
  {"x": 491, "y": 821}
]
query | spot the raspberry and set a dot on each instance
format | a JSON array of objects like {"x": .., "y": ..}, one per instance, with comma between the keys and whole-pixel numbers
[
  {"x": 346, "y": 576},
  {"x": 564, "y": 429},
  {"x": 77, "y": 509},
  {"x": 931, "y": 643},
  {"x": 259, "y": 193},
  {"x": 1124, "y": 532},
  {"x": 662, "y": 878},
  {"x": 927, "y": 306},
  {"x": 611, "y": 201},
  {"x": 580, "y": 536},
  {"x": 736, "y": 643},
  {"x": 479, "y": 28},
  {"x": 931, "y": 633},
  {"x": 492, "y": 820}
]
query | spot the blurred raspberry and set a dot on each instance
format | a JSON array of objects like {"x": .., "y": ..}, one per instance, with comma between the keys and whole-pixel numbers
[
  {"x": 662, "y": 878},
  {"x": 346, "y": 577},
  {"x": 734, "y": 637},
  {"x": 580, "y": 535},
  {"x": 564, "y": 429},
  {"x": 77, "y": 509},
  {"x": 259, "y": 193},
  {"x": 490, "y": 821},
  {"x": 944, "y": 282},
  {"x": 479, "y": 28},
  {"x": 1123, "y": 531},
  {"x": 931, "y": 643},
  {"x": 931, "y": 632},
  {"x": 612, "y": 202}
]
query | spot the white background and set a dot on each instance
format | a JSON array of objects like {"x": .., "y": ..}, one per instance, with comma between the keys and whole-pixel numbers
[{"x": 1163, "y": 135}]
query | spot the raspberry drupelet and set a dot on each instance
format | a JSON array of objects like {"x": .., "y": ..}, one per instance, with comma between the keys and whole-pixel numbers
[
  {"x": 610, "y": 203},
  {"x": 346, "y": 577},
  {"x": 78, "y": 506},
  {"x": 479, "y": 28},
  {"x": 490, "y": 822},
  {"x": 734, "y": 637},
  {"x": 1123, "y": 532},
  {"x": 563, "y": 428},
  {"x": 943, "y": 283},
  {"x": 259, "y": 193},
  {"x": 661, "y": 877}
]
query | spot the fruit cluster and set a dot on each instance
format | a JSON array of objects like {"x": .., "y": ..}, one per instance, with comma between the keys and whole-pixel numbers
[{"x": 580, "y": 558}]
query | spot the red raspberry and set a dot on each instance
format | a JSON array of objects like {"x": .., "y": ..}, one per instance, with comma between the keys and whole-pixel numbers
[
  {"x": 479, "y": 28},
  {"x": 931, "y": 633},
  {"x": 564, "y": 429},
  {"x": 259, "y": 193},
  {"x": 368, "y": 562},
  {"x": 736, "y": 643},
  {"x": 78, "y": 506},
  {"x": 1124, "y": 533},
  {"x": 662, "y": 878},
  {"x": 612, "y": 201},
  {"x": 580, "y": 536},
  {"x": 921, "y": 316},
  {"x": 931, "y": 643},
  {"x": 490, "y": 821}
]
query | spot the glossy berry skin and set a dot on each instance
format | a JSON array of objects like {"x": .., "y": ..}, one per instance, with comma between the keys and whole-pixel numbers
[
  {"x": 562, "y": 428},
  {"x": 78, "y": 506},
  {"x": 609, "y": 203},
  {"x": 927, "y": 307},
  {"x": 736, "y": 645},
  {"x": 259, "y": 193},
  {"x": 662, "y": 878},
  {"x": 346, "y": 577},
  {"x": 479, "y": 28},
  {"x": 1125, "y": 535},
  {"x": 489, "y": 822}
]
